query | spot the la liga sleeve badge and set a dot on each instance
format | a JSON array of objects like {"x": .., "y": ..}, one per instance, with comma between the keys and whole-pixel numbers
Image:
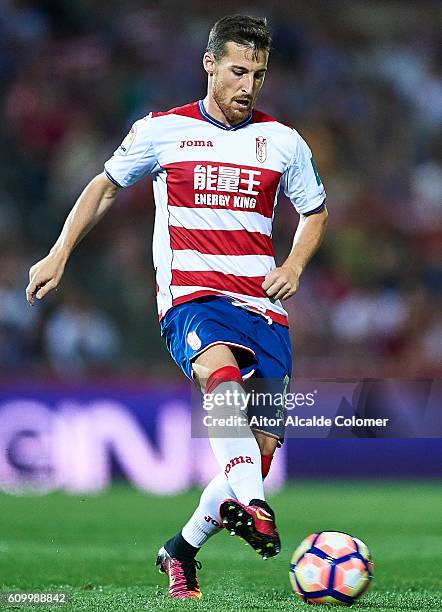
[{"x": 124, "y": 147}]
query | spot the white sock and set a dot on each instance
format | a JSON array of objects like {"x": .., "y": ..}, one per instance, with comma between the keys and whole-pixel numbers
[
  {"x": 205, "y": 520},
  {"x": 238, "y": 457}
]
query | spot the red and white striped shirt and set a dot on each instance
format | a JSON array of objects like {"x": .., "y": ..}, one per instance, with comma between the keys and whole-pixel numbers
[{"x": 215, "y": 191}]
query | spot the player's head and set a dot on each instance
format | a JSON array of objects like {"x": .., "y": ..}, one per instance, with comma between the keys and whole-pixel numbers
[{"x": 236, "y": 63}]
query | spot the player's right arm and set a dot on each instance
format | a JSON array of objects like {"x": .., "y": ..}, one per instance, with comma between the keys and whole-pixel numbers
[
  {"x": 134, "y": 159},
  {"x": 91, "y": 206}
]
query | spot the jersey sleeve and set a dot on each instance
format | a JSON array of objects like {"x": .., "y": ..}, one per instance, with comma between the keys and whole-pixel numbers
[
  {"x": 135, "y": 157},
  {"x": 301, "y": 181}
]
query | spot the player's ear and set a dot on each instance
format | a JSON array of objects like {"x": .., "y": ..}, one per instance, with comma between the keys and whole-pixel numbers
[{"x": 209, "y": 63}]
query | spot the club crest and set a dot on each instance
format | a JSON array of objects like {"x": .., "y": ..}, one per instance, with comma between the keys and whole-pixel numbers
[{"x": 261, "y": 149}]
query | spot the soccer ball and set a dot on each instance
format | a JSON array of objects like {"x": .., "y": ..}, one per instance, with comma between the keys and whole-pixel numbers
[{"x": 331, "y": 567}]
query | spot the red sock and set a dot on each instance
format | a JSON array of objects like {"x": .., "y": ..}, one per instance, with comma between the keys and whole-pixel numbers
[
  {"x": 266, "y": 461},
  {"x": 224, "y": 374}
]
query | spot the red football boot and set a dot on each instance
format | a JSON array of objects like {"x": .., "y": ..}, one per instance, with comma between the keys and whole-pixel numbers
[
  {"x": 254, "y": 523},
  {"x": 183, "y": 583}
]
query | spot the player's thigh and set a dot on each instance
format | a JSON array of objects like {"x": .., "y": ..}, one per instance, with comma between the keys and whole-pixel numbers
[{"x": 210, "y": 360}]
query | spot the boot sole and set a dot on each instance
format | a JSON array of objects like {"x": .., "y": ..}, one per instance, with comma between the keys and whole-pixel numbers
[{"x": 239, "y": 522}]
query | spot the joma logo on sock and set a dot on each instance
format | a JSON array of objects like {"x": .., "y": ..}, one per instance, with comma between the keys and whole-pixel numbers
[
  {"x": 236, "y": 461},
  {"x": 209, "y": 519}
]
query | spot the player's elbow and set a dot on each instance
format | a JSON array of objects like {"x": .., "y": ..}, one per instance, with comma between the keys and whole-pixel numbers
[
  {"x": 323, "y": 219},
  {"x": 319, "y": 216},
  {"x": 108, "y": 188},
  {"x": 322, "y": 213}
]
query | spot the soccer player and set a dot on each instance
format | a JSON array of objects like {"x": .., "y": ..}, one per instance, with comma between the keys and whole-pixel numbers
[{"x": 217, "y": 167}]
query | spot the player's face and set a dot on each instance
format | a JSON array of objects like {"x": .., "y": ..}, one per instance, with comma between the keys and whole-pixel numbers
[{"x": 237, "y": 79}]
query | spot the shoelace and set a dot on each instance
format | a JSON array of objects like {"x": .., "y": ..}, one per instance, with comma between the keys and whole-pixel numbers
[{"x": 184, "y": 575}]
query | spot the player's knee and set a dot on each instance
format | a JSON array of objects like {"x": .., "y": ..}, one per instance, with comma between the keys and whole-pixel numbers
[
  {"x": 228, "y": 373},
  {"x": 214, "y": 360}
]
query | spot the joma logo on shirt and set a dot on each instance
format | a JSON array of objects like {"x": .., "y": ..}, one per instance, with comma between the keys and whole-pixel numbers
[{"x": 196, "y": 143}]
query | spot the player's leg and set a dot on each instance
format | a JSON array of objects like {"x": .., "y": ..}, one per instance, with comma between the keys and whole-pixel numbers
[
  {"x": 271, "y": 345},
  {"x": 216, "y": 371},
  {"x": 211, "y": 370},
  {"x": 190, "y": 332},
  {"x": 267, "y": 447},
  {"x": 205, "y": 521},
  {"x": 177, "y": 557},
  {"x": 254, "y": 522}
]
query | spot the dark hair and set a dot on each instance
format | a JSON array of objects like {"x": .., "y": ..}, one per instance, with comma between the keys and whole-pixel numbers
[{"x": 241, "y": 29}]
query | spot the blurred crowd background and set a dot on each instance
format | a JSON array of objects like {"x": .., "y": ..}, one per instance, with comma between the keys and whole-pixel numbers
[{"x": 361, "y": 81}]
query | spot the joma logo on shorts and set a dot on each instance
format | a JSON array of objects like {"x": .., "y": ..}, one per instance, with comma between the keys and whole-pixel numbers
[
  {"x": 236, "y": 461},
  {"x": 196, "y": 143}
]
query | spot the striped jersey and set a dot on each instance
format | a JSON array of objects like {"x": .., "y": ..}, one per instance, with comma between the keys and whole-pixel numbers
[{"x": 216, "y": 189}]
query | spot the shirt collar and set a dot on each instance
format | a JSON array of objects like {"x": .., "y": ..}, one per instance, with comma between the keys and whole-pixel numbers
[{"x": 229, "y": 128}]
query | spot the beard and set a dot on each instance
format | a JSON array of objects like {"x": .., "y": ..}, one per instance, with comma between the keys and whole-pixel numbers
[{"x": 231, "y": 110}]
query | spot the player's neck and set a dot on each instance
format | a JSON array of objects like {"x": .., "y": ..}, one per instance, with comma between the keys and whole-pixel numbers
[{"x": 212, "y": 109}]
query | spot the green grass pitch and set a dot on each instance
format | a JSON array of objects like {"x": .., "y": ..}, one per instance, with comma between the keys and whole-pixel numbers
[{"x": 101, "y": 549}]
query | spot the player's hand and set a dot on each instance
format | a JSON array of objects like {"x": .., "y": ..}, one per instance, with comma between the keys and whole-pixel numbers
[
  {"x": 281, "y": 283},
  {"x": 43, "y": 277}
]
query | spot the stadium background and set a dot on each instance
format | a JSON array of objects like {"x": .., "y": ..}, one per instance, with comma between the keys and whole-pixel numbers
[{"x": 362, "y": 83}]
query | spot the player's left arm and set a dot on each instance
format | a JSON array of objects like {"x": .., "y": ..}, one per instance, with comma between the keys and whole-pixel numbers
[
  {"x": 303, "y": 186},
  {"x": 282, "y": 282}
]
